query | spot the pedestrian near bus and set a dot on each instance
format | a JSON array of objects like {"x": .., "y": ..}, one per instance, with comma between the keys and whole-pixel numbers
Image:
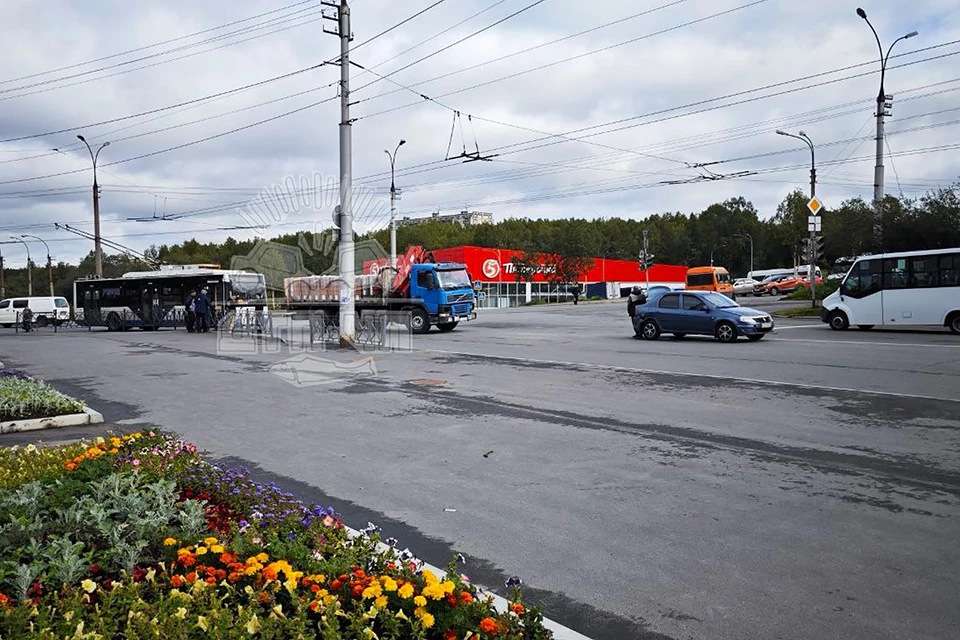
[
  {"x": 190, "y": 314},
  {"x": 202, "y": 307}
]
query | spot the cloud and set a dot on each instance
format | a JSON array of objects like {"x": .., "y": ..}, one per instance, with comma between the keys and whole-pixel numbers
[{"x": 605, "y": 174}]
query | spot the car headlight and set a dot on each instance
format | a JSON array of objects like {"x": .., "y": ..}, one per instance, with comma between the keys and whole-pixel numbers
[{"x": 748, "y": 319}]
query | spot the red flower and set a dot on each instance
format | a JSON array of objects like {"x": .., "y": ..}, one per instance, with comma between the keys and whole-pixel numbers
[
  {"x": 466, "y": 597},
  {"x": 233, "y": 577},
  {"x": 191, "y": 577},
  {"x": 449, "y": 634},
  {"x": 489, "y": 625},
  {"x": 335, "y": 585},
  {"x": 3, "y": 600},
  {"x": 517, "y": 608},
  {"x": 452, "y": 600}
]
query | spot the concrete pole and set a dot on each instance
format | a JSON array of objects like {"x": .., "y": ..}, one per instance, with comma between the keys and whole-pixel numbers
[
  {"x": 393, "y": 208},
  {"x": 29, "y": 271},
  {"x": 97, "y": 250},
  {"x": 3, "y": 284},
  {"x": 813, "y": 233},
  {"x": 347, "y": 302}
]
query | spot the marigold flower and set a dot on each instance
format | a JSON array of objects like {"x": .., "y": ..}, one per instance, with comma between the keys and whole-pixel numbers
[
  {"x": 405, "y": 591},
  {"x": 466, "y": 597},
  {"x": 216, "y": 548},
  {"x": 420, "y": 601},
  {"x": 176, "y": 581},
  {"x": 427, "y": 620},
  {"x": 449, "y": 634},
  {"x": 269, "y": 572},
  {"x": 262, "y": 557},
  {"x": 3, "y": 600},
  {"x": 517, "y": 608},
  {"x": 210, "y": 541},
  {"x": 313, "y": 606},
  {"x": 489, "y": 625},
  {"x": 201, "y": 551},
  {"x": 169, "y": 542},
  {"x": 389, "y": 584},
  {"x": 381, "y": 602},
  {"x": 433, "y": 591},
  {"x": 191, "y": 577}
]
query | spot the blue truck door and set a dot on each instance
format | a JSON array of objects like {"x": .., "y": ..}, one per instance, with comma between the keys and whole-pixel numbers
[{"x": 423, "y": 285}]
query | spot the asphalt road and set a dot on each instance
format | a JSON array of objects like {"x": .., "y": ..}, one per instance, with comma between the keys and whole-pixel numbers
[{"x": 804, "y": 486}]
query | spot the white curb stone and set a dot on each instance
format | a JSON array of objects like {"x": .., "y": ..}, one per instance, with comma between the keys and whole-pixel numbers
[{"x": 89, "y": 416}]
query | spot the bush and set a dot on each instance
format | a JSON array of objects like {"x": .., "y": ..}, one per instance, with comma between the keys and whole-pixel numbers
[
  {"x": 23, "y": 399},
  {"x": 139, "y": 536},
  {"x": 823, "y": 290}
]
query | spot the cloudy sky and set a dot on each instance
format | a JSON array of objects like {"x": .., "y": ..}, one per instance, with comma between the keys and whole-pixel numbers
[{"x": 583, "y": 109}]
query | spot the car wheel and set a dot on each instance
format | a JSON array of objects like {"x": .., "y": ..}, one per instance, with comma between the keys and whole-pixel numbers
[
  {"x": 774, "y": 291},
  {"x": 755, "y": 337},
  {"x": 955, "y": 323},
  {"x": 726, "y": 332},
  {"x": 41, "y": 321},
  {"x": 649, "y": 330},
  {"x": 838, "y": 321},
  {"x": 864, "y": 327}
]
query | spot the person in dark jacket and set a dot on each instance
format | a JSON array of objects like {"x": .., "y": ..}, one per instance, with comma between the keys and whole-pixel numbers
[
  {"x": 190, "y": 314},
  {"x": 202, "y": 307},
  {"x": 575, "y": 290},
  {"x": 636, "y": 297}
]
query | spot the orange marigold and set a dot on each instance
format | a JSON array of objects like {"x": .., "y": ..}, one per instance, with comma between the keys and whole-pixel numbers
[
  {"x": 211, "y": 581},
  {"x": 449, "y": 634},
  {"x": 176, "y": 581},
  {"x": 191, "y": 577},
  {"x": 489, "y": 625},
  {"x": 466, "y": 597},
  {"x": 517, "y": 608},
  {"x": 233, "y": 577},
  {"x": 269, "y": 573},
  {"x": 3, "y": 600}
]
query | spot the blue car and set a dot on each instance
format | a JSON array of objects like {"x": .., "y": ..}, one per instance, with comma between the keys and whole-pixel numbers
[{"x": 699, "y": 312}]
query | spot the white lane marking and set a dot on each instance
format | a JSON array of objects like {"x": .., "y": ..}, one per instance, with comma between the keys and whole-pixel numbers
[
  {"x": 775, "y": 383},
  {"x": 879, "y": 344}
]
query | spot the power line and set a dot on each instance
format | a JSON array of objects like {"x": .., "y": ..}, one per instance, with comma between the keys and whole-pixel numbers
[
  {"x": 155, "y": 55},
  {"x": 527, "y": 50}
]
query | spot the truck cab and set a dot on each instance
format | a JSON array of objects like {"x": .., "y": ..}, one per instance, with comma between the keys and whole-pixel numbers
[{"x": 446, "y": 294}]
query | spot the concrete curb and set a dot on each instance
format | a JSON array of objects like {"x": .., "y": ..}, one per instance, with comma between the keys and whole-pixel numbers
[
  {"x": 89, "y": 416},
  {"x": 500, "y": 604}
]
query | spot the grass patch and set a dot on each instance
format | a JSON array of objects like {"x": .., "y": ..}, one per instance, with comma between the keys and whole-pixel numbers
[
  {"x": 799, "y": 312},
  {"x": 25, "y": 398},
  {"x": 823, "y": 290}
]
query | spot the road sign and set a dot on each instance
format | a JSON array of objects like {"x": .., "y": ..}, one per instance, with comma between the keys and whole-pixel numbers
[
  {"x": 813, "y": 223},
  {"x": 815, "y": 205}
]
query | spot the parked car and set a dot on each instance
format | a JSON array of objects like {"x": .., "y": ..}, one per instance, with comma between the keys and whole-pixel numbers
[
  {"x": 702, "y": 313},
  {"x": 745, "y": 286},
  {"x": 46, "y": 310},
  {"x": 775, "y": 285}
]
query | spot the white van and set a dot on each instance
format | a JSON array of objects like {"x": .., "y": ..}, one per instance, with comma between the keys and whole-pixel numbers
[{"x": 46, "y": 309}]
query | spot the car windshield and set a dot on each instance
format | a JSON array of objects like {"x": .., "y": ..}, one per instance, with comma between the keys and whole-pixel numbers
[
  {"x": 454, "y": 279},
  {"x": 720, "y": 301}
]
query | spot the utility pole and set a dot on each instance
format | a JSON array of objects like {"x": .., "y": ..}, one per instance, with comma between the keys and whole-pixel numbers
[
  {"x": 883, "y": 103},
  {"x": 3, "y": 285},
  {"x": 646, "y": 259},
  {"x": 345, "y": 249},
  {"x": 29, "y": 271},
  {"x": 814, "y": 220},
  {"x": 393, "y": 209},
  {"x": 97, "y": 251}
]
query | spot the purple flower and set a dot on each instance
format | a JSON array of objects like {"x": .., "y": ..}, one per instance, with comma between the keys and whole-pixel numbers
[{"x": 514, "y": 582}]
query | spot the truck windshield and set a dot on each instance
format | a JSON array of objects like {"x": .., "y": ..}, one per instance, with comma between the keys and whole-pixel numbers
[{"x": 454, "y": 279}]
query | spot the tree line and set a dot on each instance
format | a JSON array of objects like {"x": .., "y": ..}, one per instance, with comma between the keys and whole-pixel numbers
[{"x": 723, "y": 230}]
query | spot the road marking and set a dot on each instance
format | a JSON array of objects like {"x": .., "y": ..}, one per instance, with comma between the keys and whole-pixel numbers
[
  {"x": 879, "y": 344},
  {"x": 710, "y": 376}
]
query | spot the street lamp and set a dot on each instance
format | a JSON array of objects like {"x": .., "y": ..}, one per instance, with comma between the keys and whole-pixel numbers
[
  {"x": 29, "y": 272},
  {"x": 98, "y": 253},
  {"x": 3, "y": 285},
  {"x": 49, "y": 261},
  {"x": 393, "y": 208},
  {"x": 750, "y": 237},
  {"x": 813, "y": 193},
  {"x": 883, "y": 103},
  {"x": 721, "y": 246}
]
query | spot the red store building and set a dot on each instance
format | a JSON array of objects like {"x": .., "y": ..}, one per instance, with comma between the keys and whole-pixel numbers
[{"x": 495, "y": 272}]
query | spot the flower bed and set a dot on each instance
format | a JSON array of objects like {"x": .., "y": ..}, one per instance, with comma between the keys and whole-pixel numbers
[
  {"x": 23, "y": 397},
  {"x": 138, "y": 536}
]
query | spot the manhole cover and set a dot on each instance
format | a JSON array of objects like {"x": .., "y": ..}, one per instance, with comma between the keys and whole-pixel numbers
[{"x": 428, "y": 382}]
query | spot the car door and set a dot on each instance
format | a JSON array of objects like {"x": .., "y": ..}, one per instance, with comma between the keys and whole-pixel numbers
[
  {"x": 669, "y": 315},
  {"x": 696, "y": 314}
]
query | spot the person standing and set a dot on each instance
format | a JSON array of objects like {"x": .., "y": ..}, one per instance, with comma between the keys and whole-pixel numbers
[
  {"x": 202, "y": 308},
  {"x": 576, "y": 293},
  {"x": 190, "y": 314}
]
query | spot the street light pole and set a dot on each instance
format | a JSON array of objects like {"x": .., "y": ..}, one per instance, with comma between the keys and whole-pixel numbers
[
  {"x": 393, "y": 208},
  {"x": 812, "y": 274},
  {"x": 750, "y": 237},
  {"x": 49, "y": 261},
  {"x": 97, "y": 251},
  {"x": 3, "y": 285},
  {"x": 882, "y": 105},
  {"x": 714, "y": 249},
  {"x": 29, "y": 272}
]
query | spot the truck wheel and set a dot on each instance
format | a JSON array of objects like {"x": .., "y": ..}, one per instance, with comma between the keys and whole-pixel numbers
[
  {"x": 450, "y": 326},
  {"x": 41, "y": 321},
  {"x": 420, "y": 321}
]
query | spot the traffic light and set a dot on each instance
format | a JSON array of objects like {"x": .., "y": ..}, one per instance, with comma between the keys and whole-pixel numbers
[
  {"x": 336, "y": 216},
  {"x": 646, "y": 260}
]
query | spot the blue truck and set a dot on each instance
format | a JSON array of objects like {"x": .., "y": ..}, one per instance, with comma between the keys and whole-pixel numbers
[{"x": 436, "y": 294}]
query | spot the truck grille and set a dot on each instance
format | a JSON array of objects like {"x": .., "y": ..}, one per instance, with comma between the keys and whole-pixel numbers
[
  {"x": 461, "y": 309},
  {"x": 460, "y": 297}
]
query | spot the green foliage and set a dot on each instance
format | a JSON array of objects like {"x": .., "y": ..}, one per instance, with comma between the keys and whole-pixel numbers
[
  {"x": 824, "y": 289},
  {"x": 26, "y": 399},
  {"x": 799, "y": 312}
]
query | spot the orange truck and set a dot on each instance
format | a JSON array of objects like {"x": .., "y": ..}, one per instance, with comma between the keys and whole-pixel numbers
[{"x": 710, "y": 279}]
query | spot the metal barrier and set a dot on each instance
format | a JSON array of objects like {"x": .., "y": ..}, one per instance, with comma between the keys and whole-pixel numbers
[
  {"x": 371, "y": 331},
  {"x": 246, "y": 321},
  {"x": 250, "y": 321}
]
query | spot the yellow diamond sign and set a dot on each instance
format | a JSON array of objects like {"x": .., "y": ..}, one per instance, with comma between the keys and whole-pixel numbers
[{"x": 815, "y": 205}]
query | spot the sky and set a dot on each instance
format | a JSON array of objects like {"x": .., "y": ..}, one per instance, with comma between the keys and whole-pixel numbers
[{"x": 564, "y": 109}]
